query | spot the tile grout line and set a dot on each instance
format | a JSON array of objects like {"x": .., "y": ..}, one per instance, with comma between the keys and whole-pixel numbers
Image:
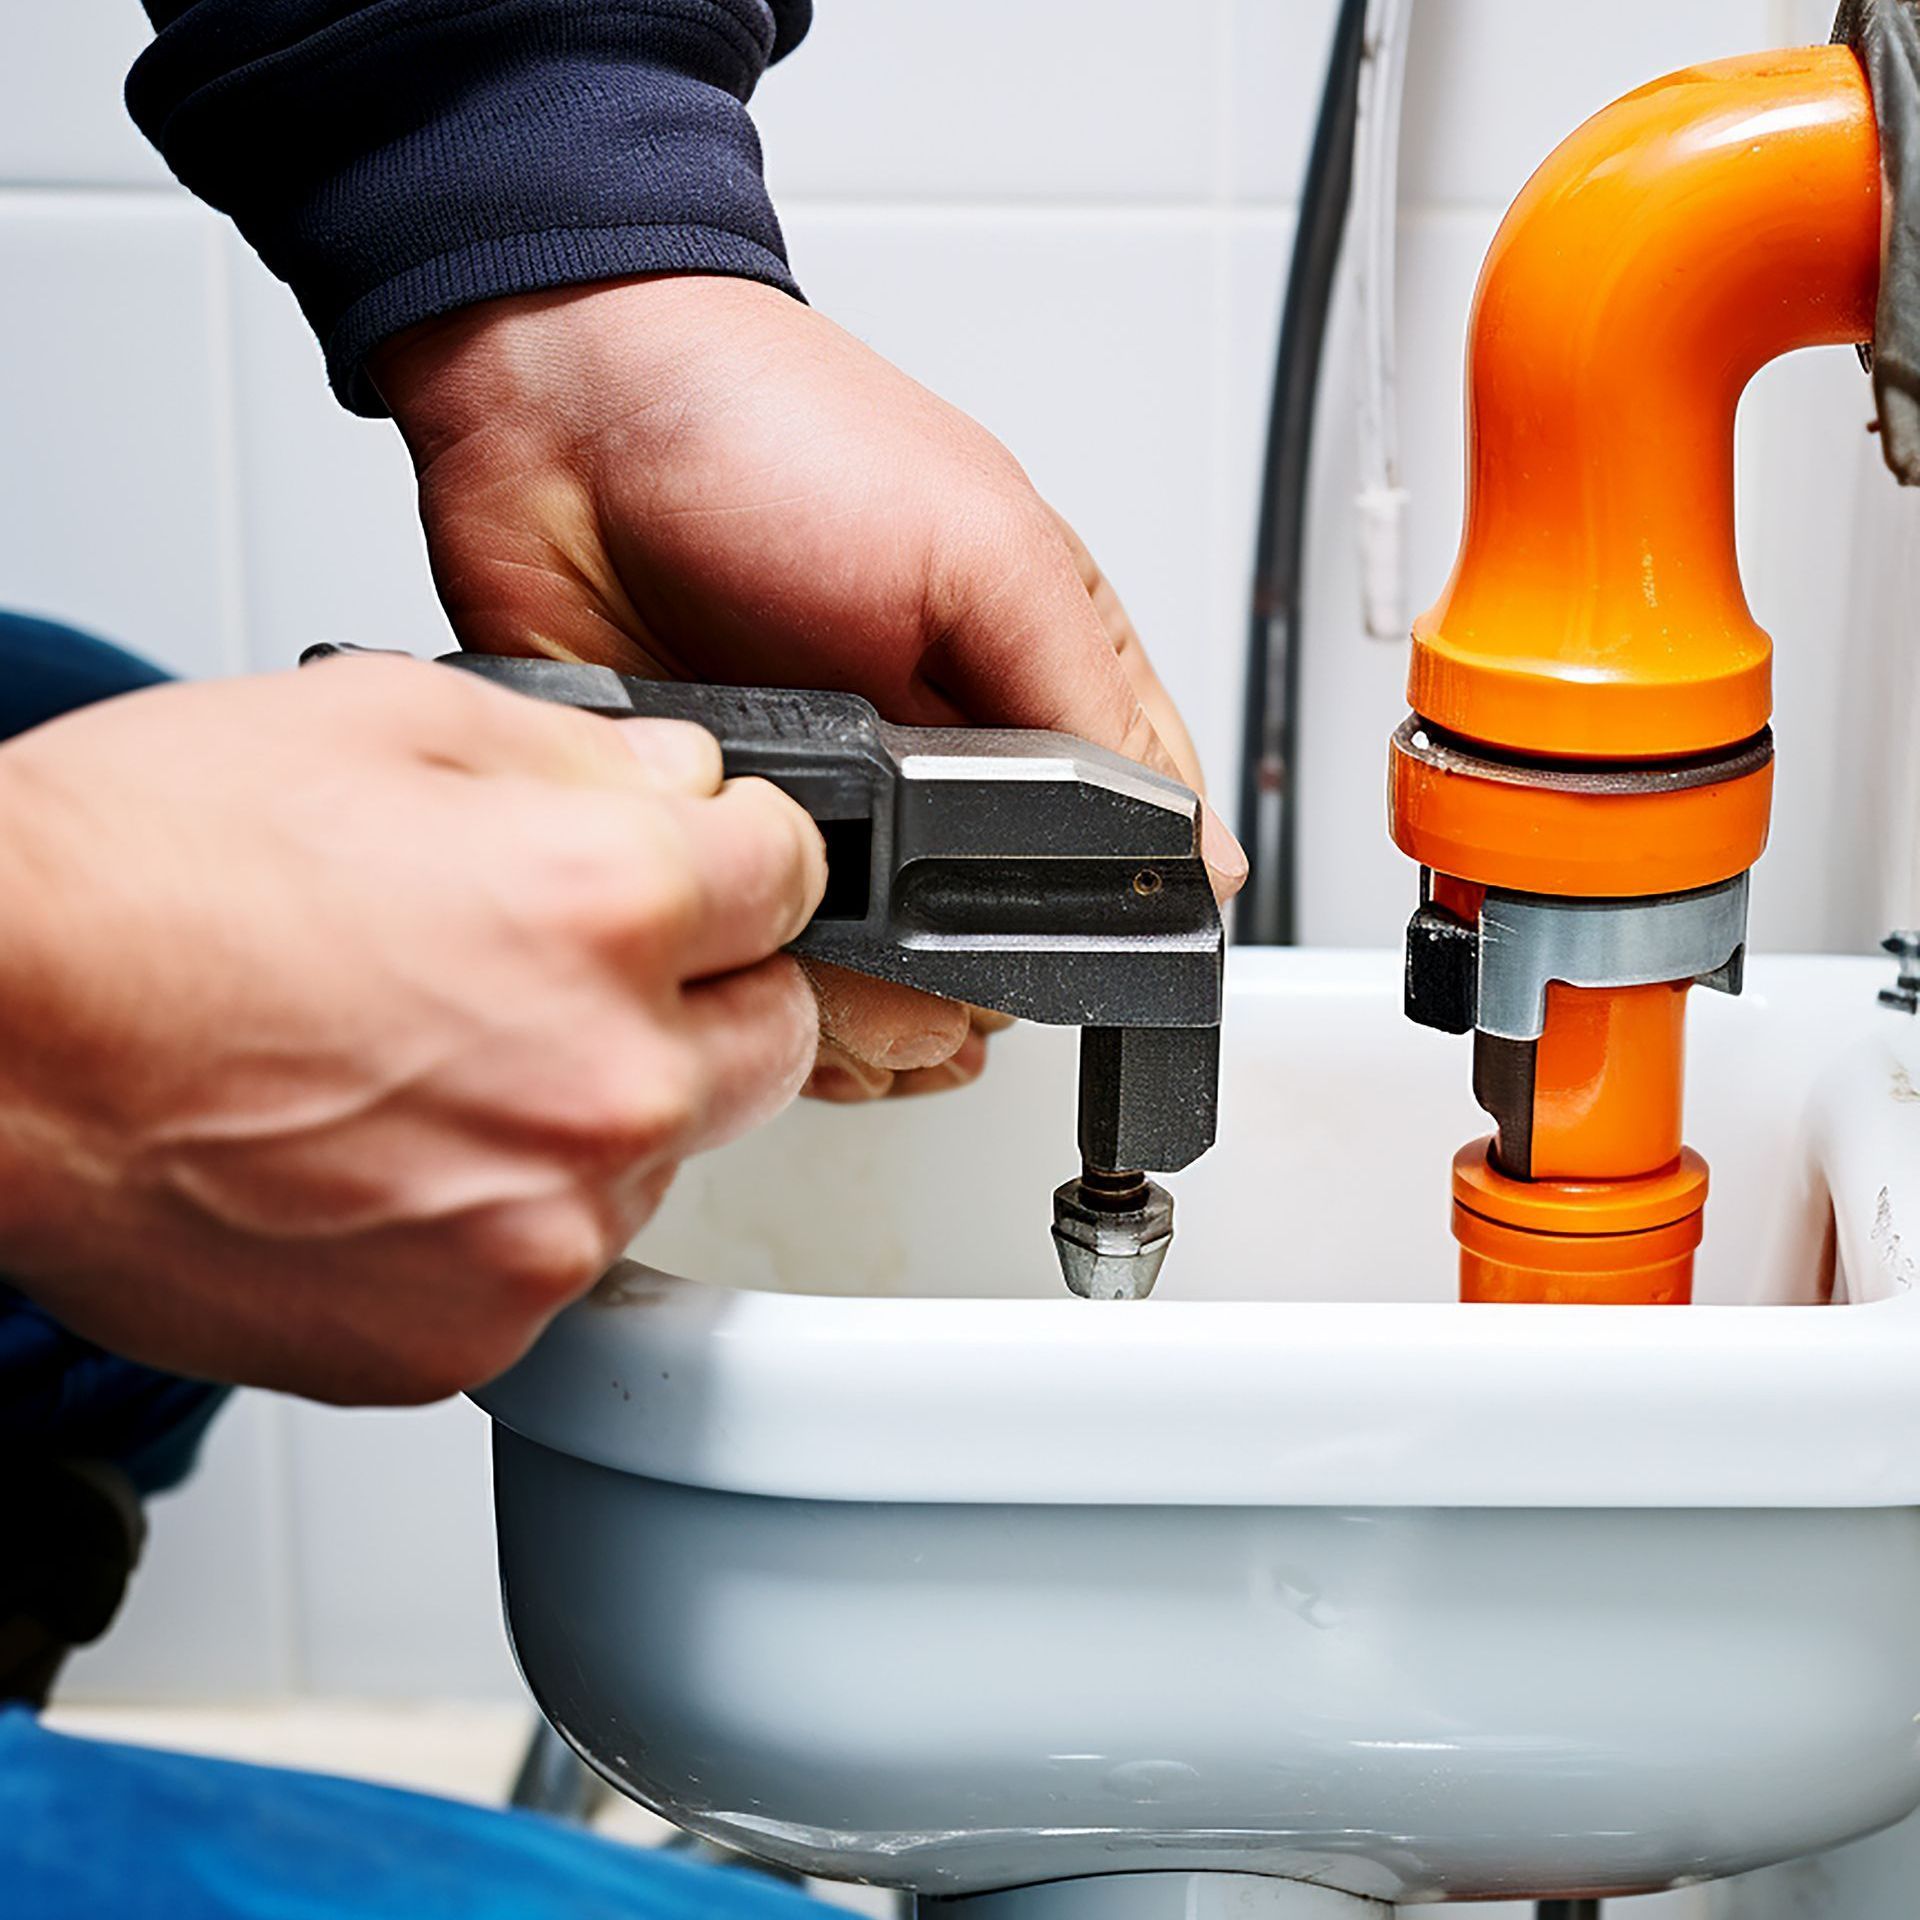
[{"x": 120, "y": 194}]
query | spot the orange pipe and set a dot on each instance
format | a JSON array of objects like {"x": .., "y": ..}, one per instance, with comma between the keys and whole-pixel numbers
[
  {"x": 1663, "y": 253},
  {"x": 1608, "y": 1074},
  {"x": 1624, "y": 1242},
  {"x": 1651, "y": 1268}
]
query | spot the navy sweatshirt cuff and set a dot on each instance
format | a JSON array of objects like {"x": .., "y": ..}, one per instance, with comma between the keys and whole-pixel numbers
[
  {"x": 528, "y": 263},
  {"x": 394, "y": 160}
]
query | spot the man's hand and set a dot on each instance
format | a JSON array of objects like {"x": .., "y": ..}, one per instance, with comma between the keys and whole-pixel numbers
[
  {"x": 701, "y": 478},
  {"x": 351, "y": 1022}
]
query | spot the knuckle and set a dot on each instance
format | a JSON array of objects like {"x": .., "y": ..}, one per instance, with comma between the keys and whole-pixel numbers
[
  {"x": 674, "y": 897},
  {"x": 537, "y": 1255},
  {"x": 621, "y": 877},
  {"x": 634, "y": 1106},
  {"x": 391, "y": 690}
]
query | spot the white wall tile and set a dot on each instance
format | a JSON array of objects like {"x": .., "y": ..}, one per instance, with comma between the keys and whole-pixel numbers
[
  {"x": 1794, "y": 23},
  {"x": 395, "y": 1580},
  {"x": 1801, "y": 430},
  {"x": 999, "y": 100},
  {"x": 206, "y": 1617},
  {"x": 62, "y": 118},
  {"x": 1275, "y": 72},
  {"x": 1873, "y": 873},
  {"x": 114, "y": 487},
  {"x": 1083, "y": 341},
  {"x": 331, "y": 535},
  {"x": 1493, "y": 86}
]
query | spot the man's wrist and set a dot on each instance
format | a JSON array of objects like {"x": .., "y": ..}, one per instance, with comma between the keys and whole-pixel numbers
[{"x": 532, "y": 358}]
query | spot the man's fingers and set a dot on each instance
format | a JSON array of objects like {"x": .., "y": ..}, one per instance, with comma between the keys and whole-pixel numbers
[
  {"x": 884, "y": 1026},
  {"x": 1122, "y": 635},
  {"x": 760, "y": 868},
  {"x": 755, "y": 1035},
  {"x": 461, "y": 721},
  {"x": 1017, "y": 642},
  {"x": 962, "y": 1070},
  {"x": 841, "y": 1080},
  {"x": 1021, "y": 644},
  {"x": 675, "y": 756}
]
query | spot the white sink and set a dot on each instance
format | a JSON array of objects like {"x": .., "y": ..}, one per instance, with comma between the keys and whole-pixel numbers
[{"x": 926, "y": 1574}]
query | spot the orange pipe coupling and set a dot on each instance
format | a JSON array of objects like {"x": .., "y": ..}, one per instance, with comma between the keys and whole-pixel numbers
[
  {"x": 1682, "y": 238},
  {"x": 1590, "y": 691}
]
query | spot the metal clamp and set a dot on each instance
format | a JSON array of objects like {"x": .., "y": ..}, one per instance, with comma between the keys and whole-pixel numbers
[
  {"x": 1530, "y": 941},
  {"x": 1490, "y": 977}
]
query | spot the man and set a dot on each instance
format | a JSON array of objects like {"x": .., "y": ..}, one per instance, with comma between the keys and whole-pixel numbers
[{"x": 350, "y": 1024}]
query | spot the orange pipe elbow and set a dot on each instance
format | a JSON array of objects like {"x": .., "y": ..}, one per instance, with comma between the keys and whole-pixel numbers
[{"x": 1661, "y": 255}]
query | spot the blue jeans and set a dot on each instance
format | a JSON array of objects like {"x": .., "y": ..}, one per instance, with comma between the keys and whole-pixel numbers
[{"x": 89, "y": 1829}]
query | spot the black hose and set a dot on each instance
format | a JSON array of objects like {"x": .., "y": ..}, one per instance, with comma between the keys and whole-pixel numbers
[{"x": 1270, "y": 754}]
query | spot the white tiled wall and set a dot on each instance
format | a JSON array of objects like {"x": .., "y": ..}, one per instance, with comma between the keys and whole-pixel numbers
[{"x": 1071, "y": 216}]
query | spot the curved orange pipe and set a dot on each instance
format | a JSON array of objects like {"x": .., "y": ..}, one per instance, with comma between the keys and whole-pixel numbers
[{"x": 1661, "y": 255}]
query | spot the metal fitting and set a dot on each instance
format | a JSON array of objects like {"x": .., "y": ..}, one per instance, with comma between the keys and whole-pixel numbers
[
  {"x": 1904, "y": 995},
  {"x": 1112, "y": 1232}
]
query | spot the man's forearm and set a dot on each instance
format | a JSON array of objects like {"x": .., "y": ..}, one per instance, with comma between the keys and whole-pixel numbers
[{"x": 394, "y": 160}]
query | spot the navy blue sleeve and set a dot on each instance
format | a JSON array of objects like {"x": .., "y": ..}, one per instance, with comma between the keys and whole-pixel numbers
[{"x": 396, "y": 159}]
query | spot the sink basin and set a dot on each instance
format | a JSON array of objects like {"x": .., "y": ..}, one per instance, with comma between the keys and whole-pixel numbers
[{"x": 868, "y": 1552}]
